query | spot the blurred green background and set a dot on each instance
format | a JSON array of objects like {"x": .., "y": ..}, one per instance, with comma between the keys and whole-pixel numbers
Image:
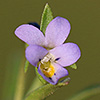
[{"x": 84, "y": 16}]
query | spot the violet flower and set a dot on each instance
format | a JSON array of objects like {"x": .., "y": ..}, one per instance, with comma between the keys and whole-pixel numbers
[{"x": 48, "y": 52}]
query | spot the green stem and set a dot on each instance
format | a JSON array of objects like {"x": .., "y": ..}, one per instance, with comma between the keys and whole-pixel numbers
[
  {"x": 20, "y": 84},
  {"x": 36, "y": 84},
  {"x": 86, "y": 93}
]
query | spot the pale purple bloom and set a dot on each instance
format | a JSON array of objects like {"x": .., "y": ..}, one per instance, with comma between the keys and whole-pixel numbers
[{"x": 48, "y": 52}]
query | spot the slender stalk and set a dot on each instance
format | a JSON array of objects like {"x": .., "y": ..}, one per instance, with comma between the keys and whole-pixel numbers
[
  {"x": 36, "y": 84},
  {"x": 86, "y": 93},
  {"x": 20, "y": 84}
]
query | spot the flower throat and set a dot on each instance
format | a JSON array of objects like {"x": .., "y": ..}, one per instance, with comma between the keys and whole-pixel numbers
[{"x": 46, "y": 65}]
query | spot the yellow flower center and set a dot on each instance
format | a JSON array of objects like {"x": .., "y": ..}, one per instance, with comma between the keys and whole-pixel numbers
[
  {"x": 47, "y": 69},
  {"x": 46, "y": 66}
]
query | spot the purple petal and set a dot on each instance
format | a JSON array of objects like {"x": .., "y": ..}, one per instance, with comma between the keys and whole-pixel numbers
[
  {"x": 67, "y": 53},
  {"x": 30, "y": 34},
  {"x": 59, "y": 73},
  {"x": 57, "y": 31},
  {"x": 34, "y": 53}
]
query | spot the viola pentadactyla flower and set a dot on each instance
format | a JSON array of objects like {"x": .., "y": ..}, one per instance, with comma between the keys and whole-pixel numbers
[{"x": 48, "y": 52}]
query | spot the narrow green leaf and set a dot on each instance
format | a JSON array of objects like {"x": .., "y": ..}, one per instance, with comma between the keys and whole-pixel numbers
[
  {"x": 46, "y": 18},
  {"x": 26, "y": 66},
  {"x": 74, "y": 66},
  {"x": 46, "y": 90},
  {"x": 86, "y": 93}
]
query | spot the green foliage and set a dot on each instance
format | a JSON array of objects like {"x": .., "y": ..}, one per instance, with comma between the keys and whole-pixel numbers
[
  {"x": 46, "y": 18},
  {"x": 35, "y": 84},
  {"x": 26, "y": 66},
  {"x": 46, "y": 90},
  {"x": 74, "y": 66}
]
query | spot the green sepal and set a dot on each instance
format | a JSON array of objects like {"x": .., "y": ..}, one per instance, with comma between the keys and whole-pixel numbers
[
  {"x": 47, "y": 17},
  {"x": 39, "y": 76},
  {"x": 26, "y": 45},
  {"x": 74, "y": 66},
  {"x": 46, "y": 90}
]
